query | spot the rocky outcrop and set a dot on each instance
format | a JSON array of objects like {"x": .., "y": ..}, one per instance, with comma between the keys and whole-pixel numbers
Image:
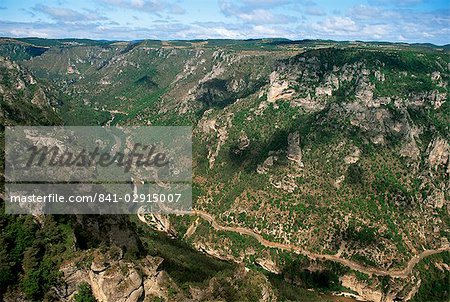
[
  {"x": 244, "y": 141},
  {"x": 120, "y": 282},
  {"x": 379, "y": 76},
  {"x": 266, "y": 165},
  {"x": 205, "y": 125},
  {"x": 39, "y": 98},
  {"x": 286, "y": 183},
  {"x": 365, "y": 292},
  {"x": 438, "y": 98},
  {"x": 25, "y": 101},
  {"x": 243, "y": 281},
  {"x": 113, "y": 279},
  {"x": 308, "y": 103},
  {"x": 269, "y": 265},
  {"x": 439, "y": 151},
  {"x": 215, "y": 131},
  {"x": 331, "y": 83},
  {"x": 364, "y": 89},
  {"x": 373, "y": 291},
  {"x": 338, "y": 182},
  {"x": 435, "y": 76},
  {"x": 221, "y": 135},
  {"x": 410, "y": 148},
  {"x": 324, "y": 91},
  {"x": 22, "y": 82},
  {"x": 278, "y": 89},
  {"x": 158, "y": 222},
  {"x": 294, "y": 152},
  {"x": 353, "y": 157}
]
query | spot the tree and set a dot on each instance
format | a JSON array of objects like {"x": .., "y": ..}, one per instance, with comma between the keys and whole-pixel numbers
[
  {"x": 355, "y": 174},
  {"x": 84, "y": 293}
]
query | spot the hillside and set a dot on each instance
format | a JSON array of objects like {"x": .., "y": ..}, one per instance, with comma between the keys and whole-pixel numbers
[{"x": 317, "y": 164}]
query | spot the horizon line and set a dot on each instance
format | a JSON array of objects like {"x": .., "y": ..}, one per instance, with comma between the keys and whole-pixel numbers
[{"x": 232, "y": 39}]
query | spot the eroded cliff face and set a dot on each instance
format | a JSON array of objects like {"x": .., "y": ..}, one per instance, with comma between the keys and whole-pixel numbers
[
  {"x": 113, "y": 278},
  {"x": 401, "y": 290},
  {"x": 360, "y": 126},
  {"x": 24, "y": 101}
]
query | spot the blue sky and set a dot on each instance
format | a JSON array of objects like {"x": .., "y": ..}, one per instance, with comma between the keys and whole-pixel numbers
[{"x": 387, "y": 20}]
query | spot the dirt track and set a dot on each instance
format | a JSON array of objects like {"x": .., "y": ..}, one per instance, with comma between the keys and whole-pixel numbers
[{"x": 395, "y": 273}]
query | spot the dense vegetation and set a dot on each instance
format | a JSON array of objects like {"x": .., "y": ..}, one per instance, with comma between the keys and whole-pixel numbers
[{"x": 355, "y": 188}]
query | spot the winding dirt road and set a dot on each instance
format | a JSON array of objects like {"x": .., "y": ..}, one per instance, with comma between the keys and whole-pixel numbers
[{"x": 394, "y": 273}]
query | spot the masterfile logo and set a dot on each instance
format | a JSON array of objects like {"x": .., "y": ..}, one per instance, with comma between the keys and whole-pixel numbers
[{"x": 91, "y": 170}]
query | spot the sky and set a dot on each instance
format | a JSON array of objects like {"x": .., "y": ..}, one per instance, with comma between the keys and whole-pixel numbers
[{"x": 426, "y": 21}]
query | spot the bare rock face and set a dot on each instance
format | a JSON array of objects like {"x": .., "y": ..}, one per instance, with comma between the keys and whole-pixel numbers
[
  {"x": 294, "y": 152},
  {"x": 244, "y": 141},
  {"x": 205, "y": 125},
  {"x": 353, "y": 157},
  {"x": 437, "y": 199},
  {"x": 278, "y": 89},
  {"x": 39, "y": 98},
  {"x": 120, "y": 282},
  {"x": 262, "y": 169},
  {"x": 338, "y": 182},
  {"x": 399, "y": 289},
  {"x": 331, "y": 83},
  {"x": 364, "y": 90},
  {"x": 222, "y": 253},
  {"x": 222, "y": 136},
  {"x": 160, "y": 223},
  {"x": 217, "y": 133},
  {"x": 365, "y": 293},
  {"x": 19, "y": 89},
  {"x": 20, "y": 84},
  {"x": 8, "y": 64},
  {"x": 409, "y": 148},
  {"x": 73, "y": 276},
  {"x": 308, "y": 103},
  {"x": 379, "y": 76},
  {"x": 439, "y": 152},
  {"x": 324, "y": 91},
  {"x": 113, "y": 279},
  {"x": 437, "y": 98},
  {"x": 436, "y": 76},
  {"x": 286, "y": 183},
  {"x": 269, "y": 265}
]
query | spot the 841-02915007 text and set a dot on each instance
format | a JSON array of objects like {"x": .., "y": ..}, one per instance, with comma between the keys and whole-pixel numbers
[
  {"x": 155, "y": 197},
  {"x": 98, "y": 197}
]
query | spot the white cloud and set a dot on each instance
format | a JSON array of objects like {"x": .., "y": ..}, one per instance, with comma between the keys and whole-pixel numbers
[
  {"x": 377, "y": 31},
  {"x": 336, "y": 26},
  {"x": 244, "y": 19},
  {"x": 149, "y": 6},
  {"x": 261, "y": 16},
  {"x": 254, "y": 12},
  {"x": 66, "y": 14},
  {"x": 28, "y": 33}
]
